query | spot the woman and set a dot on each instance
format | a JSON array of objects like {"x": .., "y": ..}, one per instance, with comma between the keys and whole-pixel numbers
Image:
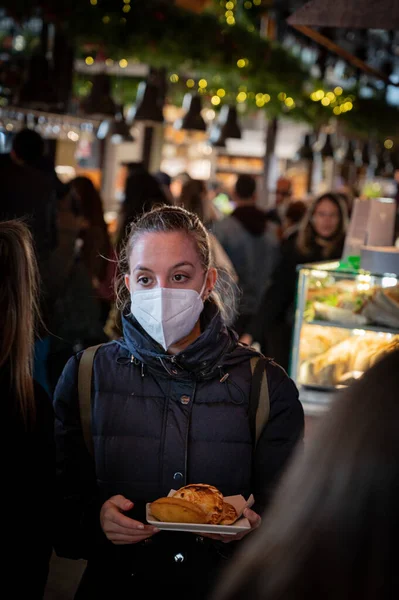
[
  {"x": 321, "y": 236},
  {"x": 170, "y": 407},
  {"x": 97, "y": 251},
  {"x": 332, "y": 529},
  {"x": 28, "y": 465}
]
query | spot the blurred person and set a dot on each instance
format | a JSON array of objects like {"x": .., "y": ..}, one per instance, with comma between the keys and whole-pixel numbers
[
  {"x": 170, "y": 406},
  {"x": 194, "y": 198},
  {"x": 28, "y": 465},
  {"x": 142, "y": 192},
  {"x": 28, "y": 192},
  {"x": 283, "y": 195},
  {"x": 28, "y": 148},
  {"x": 332, "y": 530},
  {"x": 177, "y": 183},
  {"x": 165, "y": 182},
  {"x": 97, "y": 251},
  {"x": 75, "y": 319},
  {"x": 252, "y": 249},
  {"x": 296, "y": 211},
  {"x": 321, "y": 236}
]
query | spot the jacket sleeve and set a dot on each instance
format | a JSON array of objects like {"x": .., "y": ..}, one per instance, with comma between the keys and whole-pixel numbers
[
  {"x": 281, "y": 437},
  {"x": 77, "y": 524}
]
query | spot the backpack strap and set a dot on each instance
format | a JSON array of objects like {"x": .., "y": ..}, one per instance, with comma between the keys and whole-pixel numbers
[
  {"x": 259, "y": 402},
  {"x": 84, "y": 391}
]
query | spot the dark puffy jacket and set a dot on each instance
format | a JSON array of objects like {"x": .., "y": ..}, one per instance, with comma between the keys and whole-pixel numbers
[{"x": 160, "y": 422}]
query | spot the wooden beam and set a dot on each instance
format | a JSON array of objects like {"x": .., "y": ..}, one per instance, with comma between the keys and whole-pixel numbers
[{"x": 350, "y": 58}]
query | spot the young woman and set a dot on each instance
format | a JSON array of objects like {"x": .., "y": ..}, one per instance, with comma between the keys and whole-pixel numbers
[
  {"x": 332, "y": 528},
  {"x": 170, "y": 407},
  {"x": 321, "y": 236},
  {"x": 28, "y": 465}
]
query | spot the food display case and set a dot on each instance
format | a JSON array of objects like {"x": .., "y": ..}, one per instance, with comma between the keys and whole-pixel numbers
[{"x": 345, "y": 320}]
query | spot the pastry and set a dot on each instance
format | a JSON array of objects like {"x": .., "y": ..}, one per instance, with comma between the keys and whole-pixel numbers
[
  {"x": 207, "y": 497},
  {"x": 229, "y": 514},
  {"x": 176, "y": 510}
]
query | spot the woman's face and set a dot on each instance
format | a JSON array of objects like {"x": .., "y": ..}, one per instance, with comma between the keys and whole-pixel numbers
[
  {"x": 167, "y": 260},
  {"x": 326, "y": 218}
]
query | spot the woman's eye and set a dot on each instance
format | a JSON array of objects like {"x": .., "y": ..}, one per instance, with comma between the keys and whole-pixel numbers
[
  {"x": 179, "y": 277},
  {"x": 143, "y": 280}
]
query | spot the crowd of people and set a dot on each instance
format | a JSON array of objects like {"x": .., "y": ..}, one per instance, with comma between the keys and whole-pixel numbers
[{"x": 168, "y": 309}]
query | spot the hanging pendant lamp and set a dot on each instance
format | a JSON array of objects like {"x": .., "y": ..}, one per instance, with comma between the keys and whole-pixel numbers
[
  {"x": 227, "y": 126},
  {"x": 192, "y": 119},
  {"x": 325, "y": 146},
  {"x": 305, "y": 152},
  {"x": 116, "y": 129},
  {"x": 99, "y": 101},
  {"x": 148, "y": 106}
]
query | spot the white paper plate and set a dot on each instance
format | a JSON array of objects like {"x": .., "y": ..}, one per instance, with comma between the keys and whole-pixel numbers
[{"x": 239, "y": 526}]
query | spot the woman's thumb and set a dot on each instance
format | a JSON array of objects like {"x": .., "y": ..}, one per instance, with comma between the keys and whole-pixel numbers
[{"x": 122, "y": 502}]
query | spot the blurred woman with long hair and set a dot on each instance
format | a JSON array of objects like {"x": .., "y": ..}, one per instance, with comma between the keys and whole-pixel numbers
[
  {"x": 332, "y": 529},
  {"x": 28, "y": 469},
  {"x": 320, "y": 237},
  {"x": 97, "y": 250}
]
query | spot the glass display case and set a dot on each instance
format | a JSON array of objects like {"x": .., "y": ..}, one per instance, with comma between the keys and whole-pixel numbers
[{"x": 345, "y": 320}]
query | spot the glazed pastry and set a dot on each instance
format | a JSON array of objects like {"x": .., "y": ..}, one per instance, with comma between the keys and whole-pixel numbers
[
  {"x": 207, "y": 497},
  {"x": 176, "y": 510}
]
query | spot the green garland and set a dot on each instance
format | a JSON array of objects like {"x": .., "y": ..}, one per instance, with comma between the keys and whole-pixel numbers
[{"x": 207, "y": 47}]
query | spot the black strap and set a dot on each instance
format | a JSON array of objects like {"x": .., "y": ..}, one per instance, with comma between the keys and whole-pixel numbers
[{"x": 258, "y": 378}]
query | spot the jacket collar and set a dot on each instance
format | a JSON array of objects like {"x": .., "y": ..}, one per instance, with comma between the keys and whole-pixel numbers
[{"x": 199, "y": 359}]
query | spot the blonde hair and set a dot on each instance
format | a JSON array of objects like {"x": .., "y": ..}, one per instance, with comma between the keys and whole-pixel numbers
[
  {"x": 167, "y": 218},
  {"x": 307, "y": 235},
  {"x": 19, "y": 312}
]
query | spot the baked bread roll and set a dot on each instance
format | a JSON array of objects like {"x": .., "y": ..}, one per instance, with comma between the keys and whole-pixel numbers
[
  {"x": 176, "y": 510},
  {"x": 229, "y": 514},
  {"x": 207, "y": 497}
]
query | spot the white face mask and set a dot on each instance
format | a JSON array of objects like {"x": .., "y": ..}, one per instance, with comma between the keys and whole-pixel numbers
[{"x": 167, "y": 314}]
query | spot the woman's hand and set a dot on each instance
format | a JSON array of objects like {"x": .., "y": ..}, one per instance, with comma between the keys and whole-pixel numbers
[
  {"x": 254, "y": 520},
  {"x": 119, "y": 528}
]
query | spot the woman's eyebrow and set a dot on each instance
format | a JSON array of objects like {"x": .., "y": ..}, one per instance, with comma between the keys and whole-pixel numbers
[
  {"x": 142, "y": 268},
  {"x": 184, "y": 263}
]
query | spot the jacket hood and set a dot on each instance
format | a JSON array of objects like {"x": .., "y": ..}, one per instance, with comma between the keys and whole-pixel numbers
[
  {"x": 216, "y": 348},
  {"x": 252, "y": 219}
]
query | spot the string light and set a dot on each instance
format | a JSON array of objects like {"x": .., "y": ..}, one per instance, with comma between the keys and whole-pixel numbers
[
  {"x": 221, "y": 93},
  {"x": 338, "y": 90},
  {"x": 123, "y": 63},
  {"x": 257, "y": 2},
  {"x": 174, "y": 78},
  {"x": 241, "y": 97},
  {"x": 282, "y": 96},
  {"x": 202, "y": 83},
  {"x": 230, "y": 21},
  {"x": 215, "y": 100},
  {"x": 230, "y": 5},
  {"x": 248, "y": 4},
  {"x": 289, "y": 102},
  {"x": 127, "y": 8},
  {"x": 266, "y": 98},
  {"x": 89, "y": 60},
  {"x": 190, "y": 83},
  {"x": 106, "y": 19},
  {"x": 326, "y": 101},
  {"x": 93, "y": 2},
  {"x": 388, "y": 144},
  {"x": 241, "y": 63},
  {"x": 109, "y": 62}
]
